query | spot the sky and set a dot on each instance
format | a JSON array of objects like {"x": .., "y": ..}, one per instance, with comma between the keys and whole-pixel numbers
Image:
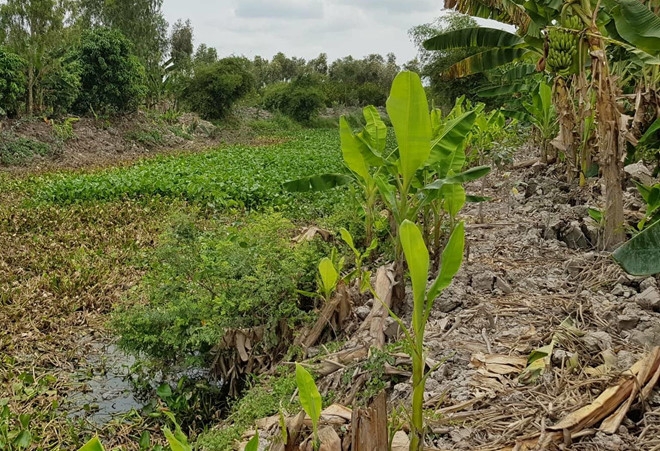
[{"x": 305, "y": 28}]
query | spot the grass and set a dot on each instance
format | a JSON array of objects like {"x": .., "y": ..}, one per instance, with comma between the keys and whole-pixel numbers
[{"x": 229, "y": 179}]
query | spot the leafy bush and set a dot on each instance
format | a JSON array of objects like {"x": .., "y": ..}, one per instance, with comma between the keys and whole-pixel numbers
[
  {"x": 15, "y": 150},
  {"x": 203, "y": 283},
  {"x": 215, "y": 87},
  {"x": 301, "y": 99},
  {"x": 61, "y": 86},
  {"x": 237, "y": 177},
  {"x": 112, "y": 79},
  {"x": 148, "y": 138},
  {"x": 371, "y": 94},
  {"x": 12, "y": 82},
  {"x": 278, "y": 123}
]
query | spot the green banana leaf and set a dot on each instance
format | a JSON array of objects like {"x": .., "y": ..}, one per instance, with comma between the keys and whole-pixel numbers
[
  {"x": 640, "y": 256},
  {"x": 417, "y": 257},
  {"x": 409, "y": 112},
  {"x": 467, "y": 176},
  {"x": 375, "y": 130},
  {"x": 473, "y": 37},
  {"x": 319, "y": 182},
  {"x": 447, "y": 148},
  {"x": 486, "y": 60},
  {"x": 498, "y": 91},
  {"x": 93, "y": 445},
  {"x": 650, "y": 138},
  {"x": 353, "y": 150},
  {"x": 637, "y": 25}
]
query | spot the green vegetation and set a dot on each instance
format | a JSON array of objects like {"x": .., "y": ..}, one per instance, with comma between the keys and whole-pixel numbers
[
  {"x": 267, "y": 396},
  {"x": 16, "y": 150},
  {"x": 229, "y": 179},
  {"x": 12, "y": 82},
  {"x": 204, "y": 283},
  {"x": 112, "y": 80},
  {"x": 215, "y": 87}
]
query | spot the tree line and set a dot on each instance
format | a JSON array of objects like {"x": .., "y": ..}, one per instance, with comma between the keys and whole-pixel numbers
[{"x": 99, "y": 57}]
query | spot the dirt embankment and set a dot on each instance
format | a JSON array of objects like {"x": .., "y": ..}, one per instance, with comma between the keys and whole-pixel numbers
[{"x": 85, "y": 142}]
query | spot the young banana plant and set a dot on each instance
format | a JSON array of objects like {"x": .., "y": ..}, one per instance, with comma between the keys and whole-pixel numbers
[{"x": 417, "y": 257}]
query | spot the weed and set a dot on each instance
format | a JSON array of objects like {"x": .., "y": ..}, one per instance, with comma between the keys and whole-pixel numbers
[
  {"x": 267, "y": 396},
  {"x": 148, "y": 138},
  {"x": 64, "y": 131},
  {"x": 202, "y": 283},
  {"x": 16, "y": 150}
]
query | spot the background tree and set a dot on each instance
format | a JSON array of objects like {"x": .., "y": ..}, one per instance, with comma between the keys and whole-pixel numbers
[
  {"x": 31, "y": 28},
  {"x": 12, "y": 82},
  {"x": 112, "y": 79},
  {"x": 143, "y": 24},
  {"x": 435, "y": 64},
  {"x": 215, "y": 87}
]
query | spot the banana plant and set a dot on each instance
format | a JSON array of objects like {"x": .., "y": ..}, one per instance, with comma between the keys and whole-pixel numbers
[
  {"x": 430, "y": 149},
  {"x": 417, "y": 257},
  {"x": 310, "y": 400}
]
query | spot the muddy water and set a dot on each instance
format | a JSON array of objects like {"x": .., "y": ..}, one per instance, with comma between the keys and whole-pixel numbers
[{"x": 106, "y": 389}]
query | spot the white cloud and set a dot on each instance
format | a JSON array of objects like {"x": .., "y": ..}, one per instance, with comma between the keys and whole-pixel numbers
[
  {"x": 305, "y": 28},
  {"x": 285, "y": 9}
]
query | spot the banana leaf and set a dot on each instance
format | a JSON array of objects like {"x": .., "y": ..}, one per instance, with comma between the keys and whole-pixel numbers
[
  {"x": 486, "y": 60},
  {"x": 640, "y": 256},
  {"x": 637, "y": 25},
  {"x": 319, "y": 182},
  {"x": 473, "y": 37}
]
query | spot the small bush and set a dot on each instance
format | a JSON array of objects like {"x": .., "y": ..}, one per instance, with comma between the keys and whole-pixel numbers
[
  {"x": 64, "y": 131},
  {"x": 278, "y": 123},
  {"x": 301, "y": 99},
  {"x": 15, "y": 150},
  {"x": 202, "y": 283},
  {"x": 215, "y": 87},
  {"x": 268, "y": 395},
  {"x": 147, "y": 138}
]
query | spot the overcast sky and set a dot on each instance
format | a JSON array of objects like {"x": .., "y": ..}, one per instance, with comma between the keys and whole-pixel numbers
[{"x": 305, "y": 28}]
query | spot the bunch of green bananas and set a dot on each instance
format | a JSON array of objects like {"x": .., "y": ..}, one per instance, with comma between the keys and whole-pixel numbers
[
  {"x": 562, "y": 48},
  {"x": 572, "y": 22}
]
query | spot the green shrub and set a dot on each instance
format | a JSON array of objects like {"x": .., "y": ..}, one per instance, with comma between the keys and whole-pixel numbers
[
  {"x": 15, "y": 150},
  {"x": 147, "y": 138},
  {"x": 12, "y": 82},
  {"x": 301, "y": 99},
  {"x": 61, "y": 86},
  {"x": 278, "y": 123},
  {"x": 64, "y": 131},
  {"x": 112, "y": 79},
  {"x": 204, "y": 282},
  {"x": 215, "y": 87}
]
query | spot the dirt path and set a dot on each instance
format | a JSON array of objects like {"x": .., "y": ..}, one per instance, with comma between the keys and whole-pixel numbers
[{"x": 519, "y": 283}]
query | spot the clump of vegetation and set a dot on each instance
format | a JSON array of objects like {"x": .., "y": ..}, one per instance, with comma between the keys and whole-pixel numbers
[
  {"x": 12, "y": 82},
  {"x": 203, "y": 283},
  {"x": 147, "y": 137},
  {"x": 112, "y": 79},
  {"x": 267, "y": 396},
  {"x": 215, "y": 87},
  {"x": 16, "y": 150},
  {"x": 301, "y": 99}
]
